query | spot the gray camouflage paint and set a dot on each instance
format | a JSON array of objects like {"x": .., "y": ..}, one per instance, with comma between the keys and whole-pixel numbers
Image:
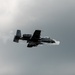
[{"x": 56, "y": 18}]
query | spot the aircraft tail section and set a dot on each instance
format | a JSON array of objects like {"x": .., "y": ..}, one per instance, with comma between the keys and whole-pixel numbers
[
  {"x": 17, "y": 36},
  {"x": 18, "y": 33}
]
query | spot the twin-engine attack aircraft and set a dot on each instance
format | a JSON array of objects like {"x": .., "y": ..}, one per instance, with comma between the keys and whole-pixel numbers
[{"x": 32, "y": 40}]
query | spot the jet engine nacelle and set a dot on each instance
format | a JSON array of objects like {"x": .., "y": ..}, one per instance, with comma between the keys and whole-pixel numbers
[{"x": 26, "y": 36}]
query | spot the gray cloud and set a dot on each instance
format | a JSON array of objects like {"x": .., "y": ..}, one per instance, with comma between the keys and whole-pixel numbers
[{"x": 6, "y": 37}]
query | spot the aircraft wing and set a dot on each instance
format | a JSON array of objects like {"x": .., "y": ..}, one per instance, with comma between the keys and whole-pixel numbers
[
  {"x": 36, "y": 35},
  {"x": 31, "y": 44}
]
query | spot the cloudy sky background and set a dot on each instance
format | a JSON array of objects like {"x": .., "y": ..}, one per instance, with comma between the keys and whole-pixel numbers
[{"x": 56, "y": 18}]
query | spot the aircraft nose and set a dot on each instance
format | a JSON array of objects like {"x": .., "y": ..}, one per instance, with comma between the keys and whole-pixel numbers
[{"x": 52, "y": 41}]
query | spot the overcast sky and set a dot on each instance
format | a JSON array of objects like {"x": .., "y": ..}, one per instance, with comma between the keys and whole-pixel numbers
[{"x": 56, "y": 18}]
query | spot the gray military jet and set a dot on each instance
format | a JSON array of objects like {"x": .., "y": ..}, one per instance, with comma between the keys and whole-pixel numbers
[{"x": 32, "y": 40}]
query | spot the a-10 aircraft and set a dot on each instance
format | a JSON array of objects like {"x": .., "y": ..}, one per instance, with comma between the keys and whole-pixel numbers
[{"x": 32, "y": 40}]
